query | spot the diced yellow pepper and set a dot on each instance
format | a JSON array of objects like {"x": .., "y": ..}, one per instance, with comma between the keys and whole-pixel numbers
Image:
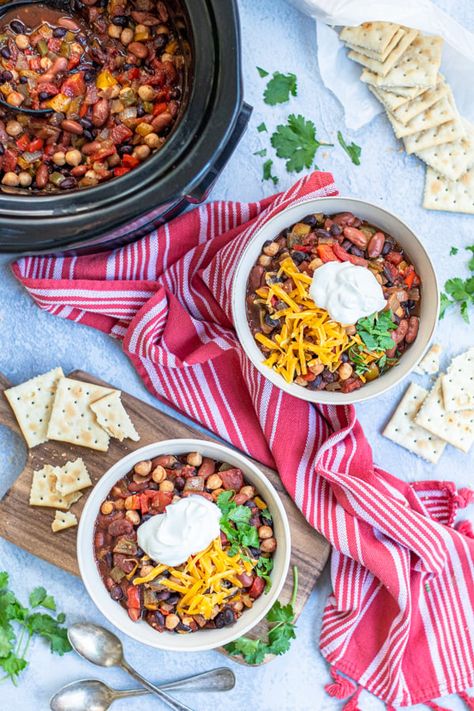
[
  {"x": 105, "y": 80},
  {"x": 143, "y": 129},
  {"x": 60, "y": 103}
]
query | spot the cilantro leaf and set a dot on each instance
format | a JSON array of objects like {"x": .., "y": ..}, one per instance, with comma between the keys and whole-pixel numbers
[
  {"x": 375, "y": 330},
  {"x": 280, "y": 88},
  {"x": 280, "y": 613},
  {"x": 470, "y": 263},
  {"x": 267, "y": 172},
  {"x": 262, "y": 72},
  {"x": 453, "y": 251},
  {"x": 262, "y": 153},
  {"x": 241, "y": 514},
  {"x": 39, "y": 596},
  {"x": 296, "y": 142},
  {"x": 445, "y": 303},
  {"x": 261, "y": 127},
  {"x": 352, "y": 149},
  {"x": 252, "y": 650},
  {"x": 224, "y": 501},
  {"x": 3, "y": 580},
  {"x": 265, "y": 513},
  {"x": 263, "y": 569}
]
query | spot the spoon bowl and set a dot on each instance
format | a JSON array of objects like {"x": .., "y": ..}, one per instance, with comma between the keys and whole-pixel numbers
[{"x": 96, "y": 644}]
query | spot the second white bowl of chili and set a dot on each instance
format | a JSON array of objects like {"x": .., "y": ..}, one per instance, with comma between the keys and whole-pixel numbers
[{"x": 271, "y": 287}]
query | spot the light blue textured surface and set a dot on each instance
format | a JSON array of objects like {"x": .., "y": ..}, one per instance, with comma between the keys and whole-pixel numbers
[{"x": 276, "y": 37}]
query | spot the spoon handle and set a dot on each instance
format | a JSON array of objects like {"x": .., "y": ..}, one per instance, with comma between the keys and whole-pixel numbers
[
  {"x": 172, "y": 703},
  {"x": 220, "y": 679}
]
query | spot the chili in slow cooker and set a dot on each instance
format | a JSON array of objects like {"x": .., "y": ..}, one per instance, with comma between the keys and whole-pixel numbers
[
  {"x": 319, "y": 353},
  {"x": 112, "y": 77},
  {"x": 212, "y": 588}
]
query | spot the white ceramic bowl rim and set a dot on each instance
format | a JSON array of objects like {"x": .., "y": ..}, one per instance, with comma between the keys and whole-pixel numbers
[
  {"x": 379, "y": 216},
  {"x": 141, "y": 631}
]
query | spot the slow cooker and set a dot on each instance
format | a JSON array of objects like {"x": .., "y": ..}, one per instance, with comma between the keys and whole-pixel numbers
[{"x": 181, "y": 173}]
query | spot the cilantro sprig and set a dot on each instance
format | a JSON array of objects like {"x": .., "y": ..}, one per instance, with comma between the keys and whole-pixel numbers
[
  {"x": 296, "y": 142},
  {"x": 281, "y": 619},
  {"x": 280, "y": 88},
  {"x": 352, "y": 149},
  {"x": 460, "y": 292},
  {"x": 19, "y": 624},
  {"x": 267, "y": 172},
  {"x": 375, "y": 330},
  {"x": 235, "y": 524}
]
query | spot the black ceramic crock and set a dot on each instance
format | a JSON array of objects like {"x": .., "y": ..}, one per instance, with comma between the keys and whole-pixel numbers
[{"x": 121, "y": 210}]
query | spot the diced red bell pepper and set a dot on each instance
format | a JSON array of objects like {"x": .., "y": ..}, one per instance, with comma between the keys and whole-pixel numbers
[
  {"x": 74, "y": 60},
  {"x": 23, "y": 142},
  {"x": 325, "y": 252},
  {"x": 34, "y": 63},
  {"x": 83, "y": 109},
  {"x": 103, "y": 153},
  {"x": 120, "y": 133},
  {"x": 159, "y": 108},
  {"x": 74, "y": 85},
  {"x": 134, "y": 73},
  {"x": 133, "y": 597},
  {"x": 36, "y": 145},
  {"x": 394, "y": 258},
  {"x": 303, "y": 248},
  {"x": 161, "y": 499},
  {"x": 409, "y": 277},
  {"x": 121, "y": 170},
  {"x": 9, "y": 160},
  {"x": 257, "y": 588},
  {"x": 54, "y": 44},
  {"x": 130, "y": 161},
  {"x": 344, "y": 256}
]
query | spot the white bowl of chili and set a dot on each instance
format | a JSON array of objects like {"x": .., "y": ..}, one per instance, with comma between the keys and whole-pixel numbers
[
  {"x": 372, "y": 218},
  {"x": 142, "y": 631}
]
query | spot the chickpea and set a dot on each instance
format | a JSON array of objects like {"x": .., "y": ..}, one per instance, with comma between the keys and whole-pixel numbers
[
  {"x": 129, "y": 503},
  {"x": 140, "y": 29},
  {"x": 238, "y": 605},
  {"x": 14, "y": 128},
  {"x": 46, "y": 63},
  {"x": 345, "y": 371},
  {"x": 25, "y": 179},
  {"x": 271, "y": 249},
  {"x": 113, "y": 160},
  {"x": 248, "y": 491},
  {"x": 171, "y": 622},
  {"x": 114, "y": 31},
  {"x": 153, "y": 140},
  {"x": 74, "y": 157},
  {"x": 146, "y": 92},
  {"x": 142, "y": 468},
  {"x": 141, "y": 152},
  {"x": 194, "y": 459},
  {"x": 216, "y": 493},
  {"x": 268, "y": 545},
  {"x": 265, "y": 532},
  {"x": 350, "y": 330},
  {"x": 316, "y": 369},
  {"x": 214, "y": 482},
  {"x": 14, "y": 98},
  {"x": 59, "y": 158},
  {"x": 301, "y": 381},
  {"x": 107, "y": 508},
  {"x": 133, "y": 517},
  {"x": 114, "y": 91},
  {"x": 119, "y": 505},
  {"x": 11, "y": 179},
  {"x": 22, "y": 41},
  {"x": 126, "y": 36},
  {"x": 315, "y": 263},
  {"x": 158, "y": 474},
  {"x": 264, "y": 260},
  {"x": 167, "y": 485}
]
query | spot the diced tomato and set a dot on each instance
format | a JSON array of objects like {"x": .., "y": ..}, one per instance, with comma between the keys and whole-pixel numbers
[
  {"x": 159, "y": 108},
  {"x": 23, "y": 142},
  {"x": 34, "y": 63},
  {"x": 121, "y": 170},
  {"x": 36, "y": 145},
  {"x": 409, "y": 277},
  {"x": 394, "y": 258},
  {"x": 103, "y": 154},
  {"x": 54, "y": 44},
  {"x": 205, "y": 494},
  {"x": 161, "y": 499},
  {"x": 134, "y": 73},
  {"x": 344, "y": 256},
  {"x": 303, "y": 248},
  {"x": 257, "y": 588},
  {"x": 74, "y": 60},
  {"x": 120, "y": 133},
  {"x": 130, "y": 161},
  {"x": 9, "y": 160},
  {"x": 74, "y": 85},
  {"x": 325, "y": 252},
  {"x": 133, "y": 597},
  {"x": 232, "y": 479}
]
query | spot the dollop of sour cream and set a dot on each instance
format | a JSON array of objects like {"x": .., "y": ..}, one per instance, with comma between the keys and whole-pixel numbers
[
  {"x": 348, "y": 292},
  {"x": 185, "y": 528}
]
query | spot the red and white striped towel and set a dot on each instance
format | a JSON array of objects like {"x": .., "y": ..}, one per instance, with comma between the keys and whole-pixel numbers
[{"x": 400, "y": 620}]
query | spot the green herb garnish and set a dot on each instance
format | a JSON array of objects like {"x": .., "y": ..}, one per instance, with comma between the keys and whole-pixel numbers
[
  {"x": 261, "y": 127},
  {"x": 459, "y": 291},
  {"x": 281, "y": 632},
  {"x": 453, "y": 251},
  {"x": 352, "y": 149},
  {"x": 262, "y": 72},
  {"x": 264, "y": 568},
  {"x": 375, "y": 331},
  {"x": 267, "y": 172},
  {"x": 235, "y": 524},
  {"x": 296, "y": 142},
  {"x": 262, "y": 153},
  {"x": 358, "y": 362},
  {"x": 13, "y": 616},
  {"x": 280, "y": 88}
]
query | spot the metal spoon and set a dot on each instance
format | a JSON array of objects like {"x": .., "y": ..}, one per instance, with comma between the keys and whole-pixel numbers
[
  {"x": 88, "y": 694},
  {"x": 101, "y": 647}
]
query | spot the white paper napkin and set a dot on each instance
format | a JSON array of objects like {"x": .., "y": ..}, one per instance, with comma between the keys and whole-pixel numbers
[{"x": 341, "y": 75}]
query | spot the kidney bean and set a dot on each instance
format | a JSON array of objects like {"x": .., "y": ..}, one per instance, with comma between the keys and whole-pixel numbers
[
  {"x": 162, "y": 121},
  {"x": 350, "y": 385},
  {"x": 42, "y": 176},
  {"x": 72, "y": 126},
  {"x": 400, "y": 332},
  {"x": 356, "y": 236},
  {"x": 232, "y": 479},
  {"x": 99, "y": 539},
  {"x": 138, "y": 49},
  {"x": 100, "y": 112},
  {"x": 207, "y": 467},
  {"x": 412, "y": 331},
  {"x": 120, "y": 527},
  {"x": 394, "y": 258},
  {"x": 68, "y": 24},
  {"x": 68, "y": 183},
  {"x": 79, "y": 171},
  {"x": 59, "y": 65},
  {"x": 376, "y": 245},
  {"x": 257, "y": 588},
  {"x": 343, "y": 219}
]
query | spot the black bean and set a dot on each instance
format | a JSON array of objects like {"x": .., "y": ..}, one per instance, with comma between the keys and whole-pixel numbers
[
  {"x": 172, "y": 599},
  {"x": 182, "y": 628},
  {"x": 309, "y": 220},
  {"x": 161, "y": 41},
  {"x": 356, "y": 251},
  {"x": 59, "y": 32},
  {"x": 140, "y": 553},
  {"x": 321, "y": 233},
  {"x": 159, "y": 618},
  {"x": 5, "y": 52},
  {"x": 120, "y": 20},
  {"x": 335, "y": 230},
  {"x": 116, "y": 593},
  {"x": 89, "y": 76},
  {"x": 2, "y": 149},
  {"x": 87, "y": 123},
  {"x": 179, "y": 483},
  {"x": 344, "y": 357},
  {"x": 275, "y": 279},
  {"x": 163, "y": 595},
  {"x": 7, "y": 75},
  {"x": 298, "y": 257},
  {"x": 88, "y": 134},
  {"x": 273, "y": 322},
  {"x": 127, "y": 66},
  {"x": 346, "y": 244},
  {"x": 224, "y": 618},
  {"x": 388, "y": 246},
  {"x": 328, "y": 377},
  {"x": 68, "y": 183},
  {"x": 254, "y": 552},
  {"x": 140, "y": 111},
  {"x": 316, "y": 383},
  {"x": 43, "y": 95},
  {"x": 176, "y": 93},
  {"x": 126, "y": 149},
  {"x": 18, "y": 27}
]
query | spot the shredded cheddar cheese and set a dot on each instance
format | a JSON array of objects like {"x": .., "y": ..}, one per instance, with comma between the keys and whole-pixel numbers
[
  {"x": 308, "y": 336},
  {"x": 206, "y": 580}
]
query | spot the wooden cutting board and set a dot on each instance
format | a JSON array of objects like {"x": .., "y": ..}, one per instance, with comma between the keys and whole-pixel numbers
[{"x": 30, "y": 527}]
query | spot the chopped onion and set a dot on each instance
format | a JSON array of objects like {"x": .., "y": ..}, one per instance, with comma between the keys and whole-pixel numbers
[
  {"x": 129, "y": 113},
  {"x": 31, "y": 157}
]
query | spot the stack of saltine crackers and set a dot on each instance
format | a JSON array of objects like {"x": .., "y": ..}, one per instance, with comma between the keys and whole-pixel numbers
[
  {"x": 401, "y": 69},
  {"x": 425, "y": 422}
]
